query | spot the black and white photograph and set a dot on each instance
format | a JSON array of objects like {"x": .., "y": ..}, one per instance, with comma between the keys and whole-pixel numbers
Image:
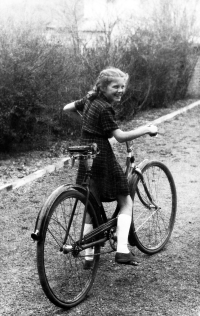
[{"x": 100, "y": 157}]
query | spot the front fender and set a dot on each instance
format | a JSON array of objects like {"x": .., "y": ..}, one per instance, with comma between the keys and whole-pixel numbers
[
  {"x": 134, "y": 177},
  {"x": 142, "y": 164},
  {"x": 133, "y": 181}
]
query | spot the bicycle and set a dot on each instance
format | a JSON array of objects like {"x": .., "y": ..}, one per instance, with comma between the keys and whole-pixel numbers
[{"x": 59, "y": 225}]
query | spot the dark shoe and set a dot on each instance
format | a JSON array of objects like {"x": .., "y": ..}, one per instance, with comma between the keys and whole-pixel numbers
[
  {"x": 126, "y": 258},
  {"x": 88, "y": 264}
]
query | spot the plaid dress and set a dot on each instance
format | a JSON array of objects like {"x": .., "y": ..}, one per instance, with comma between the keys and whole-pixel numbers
[{"x": 97, "y": 124}]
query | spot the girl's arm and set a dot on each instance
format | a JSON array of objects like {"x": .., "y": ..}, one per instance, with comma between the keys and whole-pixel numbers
[
  {"x": 70, "y": 107},
  {"x": 122, "y": 136}
]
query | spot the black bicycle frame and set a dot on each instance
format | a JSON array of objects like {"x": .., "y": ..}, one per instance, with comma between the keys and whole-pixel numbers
[{"x": 90, "y": 239}]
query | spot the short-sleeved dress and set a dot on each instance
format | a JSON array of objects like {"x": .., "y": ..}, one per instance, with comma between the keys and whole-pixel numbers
[{"x": 97, "y": 123}]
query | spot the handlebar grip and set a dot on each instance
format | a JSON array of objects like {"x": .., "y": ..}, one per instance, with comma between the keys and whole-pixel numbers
[{"x": 153, "y": 134}]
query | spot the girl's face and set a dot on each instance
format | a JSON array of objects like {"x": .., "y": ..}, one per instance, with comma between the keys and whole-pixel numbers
[{"x": 114, "y": 91}]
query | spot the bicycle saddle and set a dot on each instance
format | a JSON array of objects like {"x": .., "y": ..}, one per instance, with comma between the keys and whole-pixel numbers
[{"x": 91, "y": 148}]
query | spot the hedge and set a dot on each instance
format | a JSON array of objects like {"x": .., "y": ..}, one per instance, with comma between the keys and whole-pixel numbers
[{"x": 38, "y": 77}]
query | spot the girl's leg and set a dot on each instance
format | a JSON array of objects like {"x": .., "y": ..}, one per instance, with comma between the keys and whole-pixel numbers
[
  {"x": 89, "y": 252},
  {"x": 123, "y": 255},
  {"x": 123, "y": 223}
]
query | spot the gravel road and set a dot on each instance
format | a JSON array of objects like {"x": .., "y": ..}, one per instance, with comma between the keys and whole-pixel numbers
[{"x": 164, "y": 284}]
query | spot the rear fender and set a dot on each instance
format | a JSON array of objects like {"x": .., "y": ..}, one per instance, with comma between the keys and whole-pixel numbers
[
  {"x": 43, "y": 213},
  {"x": 45, "y": 210}
]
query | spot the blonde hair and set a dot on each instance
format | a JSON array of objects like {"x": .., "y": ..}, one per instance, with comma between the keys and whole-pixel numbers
[{"x": 105, "y": 77}]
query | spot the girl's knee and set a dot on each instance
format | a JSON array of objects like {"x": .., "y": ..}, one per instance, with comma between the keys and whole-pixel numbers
[{"x": 125, "y": 204}]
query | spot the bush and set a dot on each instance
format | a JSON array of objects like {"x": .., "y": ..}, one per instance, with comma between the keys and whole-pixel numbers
[
  {"x": 38, "y": 78},
  {"x": 159, "y": 71},
  {"x": 33, "y": 79}
]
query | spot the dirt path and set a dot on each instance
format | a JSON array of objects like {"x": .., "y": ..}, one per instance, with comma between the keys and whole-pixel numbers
[{"x": 164, "y": 284}]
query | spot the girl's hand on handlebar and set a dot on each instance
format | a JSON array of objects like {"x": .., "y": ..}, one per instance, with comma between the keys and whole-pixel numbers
[{"x": 153, "y": 130}]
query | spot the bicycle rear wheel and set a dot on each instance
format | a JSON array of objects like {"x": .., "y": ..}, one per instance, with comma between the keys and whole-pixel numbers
[
  {"x": 62, "y": 276},
  {"x": 152, "y": 224}
]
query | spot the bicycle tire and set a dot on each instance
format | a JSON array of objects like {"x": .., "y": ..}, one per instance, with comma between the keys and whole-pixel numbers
[
  {"x": 62, "y": 277},
  {"x": 152, "y": 227}
]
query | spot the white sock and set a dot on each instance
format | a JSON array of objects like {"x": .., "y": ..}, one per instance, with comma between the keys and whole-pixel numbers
[
  {"x": 123, "y": 226},
  {"x": 89, "y": 252}
]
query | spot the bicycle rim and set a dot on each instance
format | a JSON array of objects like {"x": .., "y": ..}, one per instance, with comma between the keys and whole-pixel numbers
[
  {"x": 153, "y": 225},
  {"x": 62, "y": 276}
]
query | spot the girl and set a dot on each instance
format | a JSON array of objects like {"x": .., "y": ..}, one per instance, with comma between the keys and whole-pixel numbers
[{"x": 99, "y": 124}]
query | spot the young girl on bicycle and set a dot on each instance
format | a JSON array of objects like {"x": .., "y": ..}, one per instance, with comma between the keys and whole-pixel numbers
[{"x": 98, "y": 125}]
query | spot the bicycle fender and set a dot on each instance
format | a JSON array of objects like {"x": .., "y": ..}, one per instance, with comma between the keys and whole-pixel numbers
[
  {"x": 143, "y": 164},
  {"x": 36, "y": 235},
  {"x": 43, "y": 213},
  {"x": 133, "y": 181},
  {"x": 134, "y": 176}
]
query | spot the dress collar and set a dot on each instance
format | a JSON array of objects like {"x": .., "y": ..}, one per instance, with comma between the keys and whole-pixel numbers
[{"x": 102, "y": 96}]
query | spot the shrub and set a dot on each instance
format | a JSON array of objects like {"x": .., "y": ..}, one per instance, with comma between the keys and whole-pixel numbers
[
  {"x": 38, "y": 78},
  {"x": 33, "y": 79}
]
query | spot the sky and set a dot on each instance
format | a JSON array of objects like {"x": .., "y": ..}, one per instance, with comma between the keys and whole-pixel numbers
[
  {"x": 90, "y": 5},
  {"x": 27, "y": 10},
  {"x": 44, "y": 9}
]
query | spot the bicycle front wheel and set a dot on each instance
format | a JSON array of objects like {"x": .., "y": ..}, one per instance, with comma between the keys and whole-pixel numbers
[
  {"x": 153, "y": 222},
  {"x": 62, "y": 276}
]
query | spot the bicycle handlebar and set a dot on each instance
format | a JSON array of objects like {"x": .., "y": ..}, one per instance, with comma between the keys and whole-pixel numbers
[{"x": 129, "y": 146}]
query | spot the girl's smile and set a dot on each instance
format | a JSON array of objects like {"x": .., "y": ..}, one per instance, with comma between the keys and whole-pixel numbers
[{"x": 114, "y": 91}]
